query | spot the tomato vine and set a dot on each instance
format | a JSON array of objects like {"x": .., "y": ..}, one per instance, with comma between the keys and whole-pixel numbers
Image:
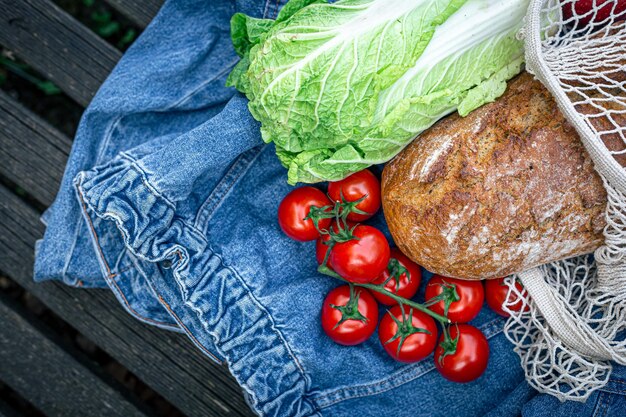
[{"x": 339, "y": 211}]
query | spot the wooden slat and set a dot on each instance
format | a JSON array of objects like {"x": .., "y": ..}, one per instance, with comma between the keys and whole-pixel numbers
[
  {"x": 168, "y": 362},
  {"x": 33, "y": 153},
  {"x": 78, "y": 61},
  {"x": 49, "y": 376},
  {"x": 57, "y": 46},
  {"x": 6, "y": 410},
  {"x": 139, "y": 11}
]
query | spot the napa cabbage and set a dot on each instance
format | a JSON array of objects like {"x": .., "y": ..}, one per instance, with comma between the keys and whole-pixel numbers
[{"x": 341, "y": 86}]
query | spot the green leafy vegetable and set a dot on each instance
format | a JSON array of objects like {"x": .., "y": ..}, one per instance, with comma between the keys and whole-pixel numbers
[{"x": 341, "y": 86}]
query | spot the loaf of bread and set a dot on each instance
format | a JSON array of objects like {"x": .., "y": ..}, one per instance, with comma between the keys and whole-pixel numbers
[{"x": 504, "y": 189}]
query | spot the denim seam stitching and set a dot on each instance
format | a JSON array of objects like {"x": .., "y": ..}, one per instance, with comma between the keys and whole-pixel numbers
[
  {"x": 128, "y": 268},
  {"x": 105, "y": 142},
  {"x": 117, "y": 120},
  {"x": 617, "y": 381},
  {"x": 187, "y": 331},
  {"x": 275, "y": 8},
  {"x": 134, "y": 163},
  {"x": 140, "y": 271},
  {"x": 322, "y": 400},
  {"x": 264, "y": 310},
  {"x": 159, "y": 324},
  {"x": 195, "y": 91},
  {"x": 107, "y": 138},
  {"x": 146, "y": 183},
  {"x": 70, "y": 253},
  {"x": 109, "y": 276},
  {"x": 614, "y": 390},
  {"x": 135, "y": 166},
  {"x": 121, "y": 266},
  {"x": 222, "y": 190},
  {"x": 148, "y": 186},
  {"x": 601, "y": 406},
  {"x": 267, "y": 3},
  {"x": 369, "y": 394},
  {"x": 269, "y": 317}
]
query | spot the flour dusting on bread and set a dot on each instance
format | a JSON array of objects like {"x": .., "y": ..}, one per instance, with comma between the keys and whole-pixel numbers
[
  {"x": 506, "y": 188},
  {"x": 432, "y": 160}
]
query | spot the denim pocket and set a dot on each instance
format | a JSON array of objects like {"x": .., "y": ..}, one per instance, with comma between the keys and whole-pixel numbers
[{"x": 213, "y": 201}]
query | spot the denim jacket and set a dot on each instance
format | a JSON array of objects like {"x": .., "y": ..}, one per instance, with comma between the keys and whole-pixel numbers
[{"x": 169, "y": 199}]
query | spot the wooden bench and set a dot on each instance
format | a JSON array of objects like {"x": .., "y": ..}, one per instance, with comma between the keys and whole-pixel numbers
[{"x": 34, "y": 362}]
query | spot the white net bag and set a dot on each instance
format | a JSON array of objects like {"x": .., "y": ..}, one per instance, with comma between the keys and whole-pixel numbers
[{"x": 576, "y": 316}]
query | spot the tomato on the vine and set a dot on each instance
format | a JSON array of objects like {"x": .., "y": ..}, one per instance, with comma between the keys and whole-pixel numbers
[
  {"x": 466, "y": 297},
  {"x": 356, "y": 186},
  {"x": 407, "y": 334},
  {"x": 401, "y": 277},
  {"x": 465, "y": 356},
  {"x": 361, "y": 260},
  {"x": 496, "y": 292},
  {"x": 349, "y": 315},
  {"x": 321, "y": 247},
  {"x": 294, "y": 209}
]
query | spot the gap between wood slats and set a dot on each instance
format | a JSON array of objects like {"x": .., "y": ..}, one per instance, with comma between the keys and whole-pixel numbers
[
  {"x": 36, "y": 366},
  {"x": 22, "y": 227},
  {"x": 166, "y": 361},
  {"x": 6, "y": 410},
  {"x": 139, "y": 11},
  {"x": 56, "y": 45}
]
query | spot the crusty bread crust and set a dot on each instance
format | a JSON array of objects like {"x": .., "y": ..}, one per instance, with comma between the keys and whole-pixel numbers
[{"x": 504, "y": 189}]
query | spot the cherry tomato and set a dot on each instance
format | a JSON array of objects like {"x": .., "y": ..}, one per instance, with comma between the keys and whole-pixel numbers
[
  {"x": 362, "y": 183},
  {"x": 583, "y": 10},
  {"x": 293, "y": 210},
  {"x": 321, "y": 248},
  {"x": 349, "y": 320},
  {"x": 495, "y": 294},
  {"x": 401, "y": 277},
  {"x": 361, "y": 260},
  {"x": 408, "y": 335},
  {"x": 469, "y": 358},
  {"x": 471, "y": 296}
]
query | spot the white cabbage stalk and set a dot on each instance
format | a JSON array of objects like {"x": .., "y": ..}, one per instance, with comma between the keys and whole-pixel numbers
[{"x": 341, "y": 86}]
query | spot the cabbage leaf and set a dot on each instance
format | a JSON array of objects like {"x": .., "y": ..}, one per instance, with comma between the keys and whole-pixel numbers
[{"x": 341, "y": 86}]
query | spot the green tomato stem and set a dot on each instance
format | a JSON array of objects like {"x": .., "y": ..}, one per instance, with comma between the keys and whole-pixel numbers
[{"x": 323, "y": 269}]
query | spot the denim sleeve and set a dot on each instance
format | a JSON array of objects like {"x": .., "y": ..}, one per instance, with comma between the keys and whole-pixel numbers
[
  {"x": 170, "y": 199},
  {"x": 167, "y": 90}
]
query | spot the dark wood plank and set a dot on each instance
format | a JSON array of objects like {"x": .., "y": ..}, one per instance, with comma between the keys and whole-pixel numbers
[
  {"x": 57, "y": 46},
  {"x": 139, "y": 11},
  {"x": 36, "y": 366},
  {"x": 207, "y": 387},
  {"x": 33, "y": 153},
  {"x": 166, "y": 361},
  {"x": 6, "y": 410}
]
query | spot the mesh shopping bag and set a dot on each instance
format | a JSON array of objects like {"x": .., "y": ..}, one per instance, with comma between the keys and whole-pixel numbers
[{"x": 576, "y": 318}]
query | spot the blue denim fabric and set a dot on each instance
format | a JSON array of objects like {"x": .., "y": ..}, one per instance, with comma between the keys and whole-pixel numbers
[
  {"x": 170, "y": 199},
  {"x": 610, "y": 401}
]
